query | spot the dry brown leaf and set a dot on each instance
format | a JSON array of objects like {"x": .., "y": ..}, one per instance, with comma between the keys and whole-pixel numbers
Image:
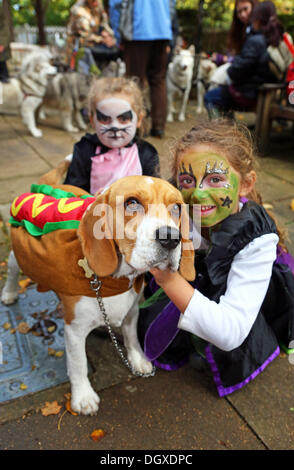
[
  {"x": 23, "y": 386},
  {"x": 97, "y": 434},
  {"x": 292, "y": 205},
  {"x": 68, "y": 408},
  {"x": 6, "y": 326},
  {"x": 51, "y": 352},
  {"x": 23, "y": 328},
  {"x": 51, "y": 408}
]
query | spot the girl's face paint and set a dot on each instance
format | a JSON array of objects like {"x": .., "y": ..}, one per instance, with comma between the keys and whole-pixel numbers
[
  {"x": 207, "y": 178},
  {"x": 115, "y": 122}
]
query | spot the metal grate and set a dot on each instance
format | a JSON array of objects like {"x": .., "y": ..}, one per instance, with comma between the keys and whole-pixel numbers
[{"x": 26, "y": 363}]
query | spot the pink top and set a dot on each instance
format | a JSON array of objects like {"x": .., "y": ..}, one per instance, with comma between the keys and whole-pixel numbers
[{"x": 115, "y": 164}]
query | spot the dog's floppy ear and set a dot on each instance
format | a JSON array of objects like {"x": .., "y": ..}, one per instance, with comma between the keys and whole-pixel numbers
[
  {"x": 187, "y": 268},
  {"x": 95, "y": 234}
]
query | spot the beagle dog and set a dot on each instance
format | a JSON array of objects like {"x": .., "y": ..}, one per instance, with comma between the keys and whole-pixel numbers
[{"x": 138, "y": 223}]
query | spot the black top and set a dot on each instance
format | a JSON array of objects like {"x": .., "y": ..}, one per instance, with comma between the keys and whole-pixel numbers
[
  {"x": 80, "y": 168},
  {"x": 250, "y": 68}
]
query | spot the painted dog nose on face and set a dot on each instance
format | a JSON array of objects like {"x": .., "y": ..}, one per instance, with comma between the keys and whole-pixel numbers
[
  {"x": 114, "y": 129},
  {"x": 168, "y": 237}
]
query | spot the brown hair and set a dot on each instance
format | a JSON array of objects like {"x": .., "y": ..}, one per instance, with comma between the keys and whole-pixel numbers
[
  {"x": 231, "y": 139},
  {"x": 106, "y": 86},
  {"x": 237, "y": 32},
  {"x": 266, "y": 14}
]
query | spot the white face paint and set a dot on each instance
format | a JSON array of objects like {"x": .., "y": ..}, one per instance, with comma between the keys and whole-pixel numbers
[{"x": 115, "y": 122}]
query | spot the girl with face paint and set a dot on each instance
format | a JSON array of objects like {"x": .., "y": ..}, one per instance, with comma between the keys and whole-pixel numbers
[
  {"x": 116, "y": 149},
  {"x": 240, "y": 308}
]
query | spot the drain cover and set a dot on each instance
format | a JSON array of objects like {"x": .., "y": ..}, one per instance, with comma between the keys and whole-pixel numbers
[{"x": 33, "y": 360}]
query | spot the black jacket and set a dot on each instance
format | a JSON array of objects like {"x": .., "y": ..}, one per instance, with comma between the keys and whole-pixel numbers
[
  {"x": 250, "y": 68},
  {"x": 274, "y": 323},
  {"x": 80, "y": 168}
]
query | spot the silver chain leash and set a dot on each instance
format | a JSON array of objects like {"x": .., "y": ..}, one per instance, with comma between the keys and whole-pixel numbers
[{"x": 96, "y": 286}]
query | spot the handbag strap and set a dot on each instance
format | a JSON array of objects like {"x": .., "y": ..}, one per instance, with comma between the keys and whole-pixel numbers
[{"x": 290, "y": 45}]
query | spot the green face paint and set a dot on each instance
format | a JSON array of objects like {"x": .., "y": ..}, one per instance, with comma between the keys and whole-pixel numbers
[{"x": 208, "y": 179}]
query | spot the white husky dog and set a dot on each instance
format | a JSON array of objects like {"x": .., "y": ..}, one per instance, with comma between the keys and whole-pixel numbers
[
  {"x": 179, "y": 80},
  {"x": 24, "y": 94}
]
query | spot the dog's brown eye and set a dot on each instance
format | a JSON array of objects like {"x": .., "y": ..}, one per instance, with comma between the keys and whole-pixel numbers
[{"x": 133, "y": 205}]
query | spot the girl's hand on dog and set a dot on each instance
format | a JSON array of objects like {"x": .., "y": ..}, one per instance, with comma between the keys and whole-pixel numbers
[
  {"x": 162, "y": 278},
  {"x": 175, "y": 286}
]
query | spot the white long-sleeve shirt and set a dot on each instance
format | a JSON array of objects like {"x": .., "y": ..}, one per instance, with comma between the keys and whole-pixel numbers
[{"x": 227, "y": 324}]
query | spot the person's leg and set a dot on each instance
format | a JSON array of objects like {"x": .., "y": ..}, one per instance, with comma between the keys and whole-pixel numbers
[
  {"x": 156, "y": 74},
  {"x": 217, "y": 101},
  {"x": 135, "y": 56},
  {"x": 4, "y": 75}
]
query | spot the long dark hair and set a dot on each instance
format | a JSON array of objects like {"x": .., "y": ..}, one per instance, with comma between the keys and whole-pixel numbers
[
  {"x": 266, "y": 14},
  {"x": 237, "y": 32}
]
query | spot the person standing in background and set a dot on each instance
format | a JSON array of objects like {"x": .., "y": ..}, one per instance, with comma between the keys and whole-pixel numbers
[
  {"x": 88, "y": 26},
  {"x": 5, "y": 39},
  {"x": 144, "y": 30}
]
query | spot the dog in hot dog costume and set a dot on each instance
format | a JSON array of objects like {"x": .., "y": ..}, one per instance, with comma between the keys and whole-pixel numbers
[{"x": 54, "y": 240}]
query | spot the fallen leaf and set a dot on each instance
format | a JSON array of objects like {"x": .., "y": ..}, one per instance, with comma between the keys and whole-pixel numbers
[
  {"x": 24, "y": 283},
  {"x": 51, "y": 352},
  {"x": 23, "y": 386},
  {"x": 292, "y": 205},
  {"x": 59, "y": 354},
  {"x": 51, "y": 408},
  {"x": 6, "y": 326},
  {"x": 69, "y": 409},
  {"x": 23, "y": 328},
  {"x": 267, "y": 206},
  {"x": 97, "y": 434}
]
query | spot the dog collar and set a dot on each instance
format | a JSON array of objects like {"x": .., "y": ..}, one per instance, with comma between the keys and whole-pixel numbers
[{"x": 176, "y": 85}]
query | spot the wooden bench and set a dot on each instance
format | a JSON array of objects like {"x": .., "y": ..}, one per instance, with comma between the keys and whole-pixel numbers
[{"x": 272, "y": 104}]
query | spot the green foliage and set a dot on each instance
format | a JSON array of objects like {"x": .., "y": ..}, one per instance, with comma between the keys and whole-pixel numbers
[
  {"x": 57, "y": 13},
  {"x": 217, "y": 13}
]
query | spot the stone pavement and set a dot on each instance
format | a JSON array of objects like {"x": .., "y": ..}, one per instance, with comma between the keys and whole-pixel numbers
[{"x": 173, "y": 410}]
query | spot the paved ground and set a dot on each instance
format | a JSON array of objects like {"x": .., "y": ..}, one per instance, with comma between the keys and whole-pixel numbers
[{"x": 173, "y": 410}]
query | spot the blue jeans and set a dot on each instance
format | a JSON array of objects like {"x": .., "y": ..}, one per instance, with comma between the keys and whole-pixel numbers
[{"x": 218, "y": 100}]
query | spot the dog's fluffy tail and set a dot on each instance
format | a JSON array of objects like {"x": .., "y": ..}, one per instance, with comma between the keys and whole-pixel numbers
[{"x": 56, "y": 176}]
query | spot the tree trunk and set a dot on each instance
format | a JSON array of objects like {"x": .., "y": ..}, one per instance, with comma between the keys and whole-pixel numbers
[
  {"x": 40, "y": 8},
  {"x": 199, "y": 34},
  {"x": 7, "y": 10}
]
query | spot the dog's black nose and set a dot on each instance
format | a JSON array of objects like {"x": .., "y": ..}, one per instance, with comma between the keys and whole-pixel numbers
[{"x": 168, "y": 237}]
